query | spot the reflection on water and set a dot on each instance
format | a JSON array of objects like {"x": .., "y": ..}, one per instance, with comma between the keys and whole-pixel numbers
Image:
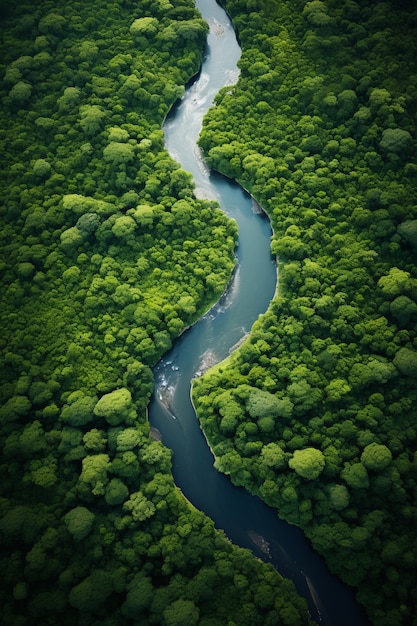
[{"x": 260, "y": 542}]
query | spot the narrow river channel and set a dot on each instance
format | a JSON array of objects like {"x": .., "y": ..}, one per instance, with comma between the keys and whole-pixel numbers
[{"x": 247, "y": 521}]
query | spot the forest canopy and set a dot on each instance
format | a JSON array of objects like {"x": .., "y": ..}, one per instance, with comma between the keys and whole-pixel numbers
[
  {"x": 106, "y": 256},
  {"x": 321, "y": 129}
]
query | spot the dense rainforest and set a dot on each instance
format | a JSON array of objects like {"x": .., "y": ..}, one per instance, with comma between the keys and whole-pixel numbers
[
  {"x": 316, "y": 412},
  {"x": 106, "y": 257}
]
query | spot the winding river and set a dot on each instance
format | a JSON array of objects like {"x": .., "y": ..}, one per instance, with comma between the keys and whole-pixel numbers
[{"x": 246, "y": 520}]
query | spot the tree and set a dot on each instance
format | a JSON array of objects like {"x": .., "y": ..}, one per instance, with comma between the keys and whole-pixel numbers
[
  {"x": 70, "y": 444},
  {"x": 394, "y": 283},
  {"x": 52, "y": 23},
  {"x": 375, "y": 371},
  {"x": 316, "y": 13},
  {"x": 408, "y": 230},
  {"x": 355, "y": 475},
  {"x": 266, "y": 424},
  {"x": 347, "y": 101},
  {"x": 265, "y": 404},
  {"x": 42, "y": 168},
  {"x": 87, "y": 223},
  {"x": 95, "y": 440},
  {"x": 138, "y": 597},
  {"x": 129, "y": 439},
  {"x": 405, "y": 361},
  {"x": 88, "y": 51},
  {"x": 230, "y": 410},
  {"x": 144, "y": 26},
  {"x": 191, "y": 30},
  {"x": 181, "y": 613},
  {"x": 376, "y": 456},
  {"x": 379, "y": 97},
  {"x": 79, "y": 522},
  {"x": 308, "y": 463},
  {"x": 91, "y": 593},
  {"x": 139, "y": 507},
  {"x": 337, "y": 389},
  {"x": 91, "y": 118},
  {"x": 69, "y": 99},
  {"x": 339, "y": 497},
  {"x": 118, "y": 134},
  {"x": 143, "y": 214},
  {"x": 15, "y": 408},
  {"x": 303, "y": 395},
  {"x": 71, "y": 239},
  {"x": 94, "y": 472},
  {"x": 395, "y": 140},
  {"x": 289, "y": 247},
  {"x": 116, "y": 492},
  {"x": 44, "y": 472},
  {"x": 116, "y": 407},
  {"x": 80, "y": 411},
  {"x": 118, "y": 153},
  {"x": 20, "y": 93},
  {"x": 272, "y": 456},
  {"x": 124, "y": 228},
  {"x": 404, "y": 310}
]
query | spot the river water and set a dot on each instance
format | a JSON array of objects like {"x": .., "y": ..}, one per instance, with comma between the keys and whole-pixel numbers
[{"x": 246, "y": 520}]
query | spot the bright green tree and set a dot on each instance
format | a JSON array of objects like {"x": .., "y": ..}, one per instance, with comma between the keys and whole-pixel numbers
[
  {"x": 376, "y": 456},
  {"x": 116, "y": 407},
  {"x": 308, "y": 463}
]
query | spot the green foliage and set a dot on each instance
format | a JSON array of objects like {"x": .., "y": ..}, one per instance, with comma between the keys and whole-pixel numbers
[
  {"x": 43, "y": 472},
  {"x": 20, "y": 93},
  {"x": 80, "y": 411},
  {"x": 138, "y": 597},
  {"x": 95, "y": 440},
  {"x": 404, "y": 310},
  {"x": 15, "y": 408},
  {"x": 181, "y": 612},
  {"x": 395, "y": 282},
  {"x": 139, "y": 507},
  {"x": 408, "y": 230},
  {"x": 264, "y": 404},
  {"x": 147, "y": 26},
  {"x": 116, "y": 492},
  {"x": 41, "y": 168},
  {"x": 116, "y": 407},
  {"x": 395, "y": 140},
  {"x": 339, "y": 497},
  {"x": 71, "y": 239},
  {"x": 355, "y": 475},
  {"x": 321, "y": 130},
  {"x": 318, "y": 129},
  {"x": 79, "y": 522},
  {"x": 91, "y": 118},
  {"x": 94, "y": 472},
  {"x": 273, "y": 456},
  {"x": 376, "y": 456},
  {"x": 406, "y": 361},
  {"x": 129, "y": 439},
  {"x": 118, "y": 153},
  {"x": 91, "y": 593},
  {"x": 308, "y": 463}
]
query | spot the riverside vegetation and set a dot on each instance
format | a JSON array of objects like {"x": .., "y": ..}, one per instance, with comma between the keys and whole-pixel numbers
[
  {"x": 106, "y": 257},
  {"x": 316, "y": 412}
]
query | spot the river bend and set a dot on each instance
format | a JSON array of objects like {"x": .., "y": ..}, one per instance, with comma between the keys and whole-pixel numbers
[{"x": 246, "y": 520}]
